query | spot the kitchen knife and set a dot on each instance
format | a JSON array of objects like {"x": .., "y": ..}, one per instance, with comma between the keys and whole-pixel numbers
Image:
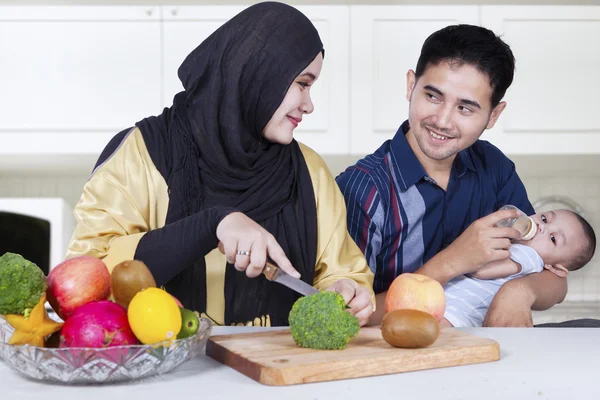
[{"x": 276, "y": 274}]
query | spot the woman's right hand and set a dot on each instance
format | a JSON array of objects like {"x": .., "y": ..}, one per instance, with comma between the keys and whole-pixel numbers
[{"x": 246, "y": 245}]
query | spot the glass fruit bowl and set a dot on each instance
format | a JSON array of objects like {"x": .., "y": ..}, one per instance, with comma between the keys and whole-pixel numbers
[{"x": 78, "y": 365}]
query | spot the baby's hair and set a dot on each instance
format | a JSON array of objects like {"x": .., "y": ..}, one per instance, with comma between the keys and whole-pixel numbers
[{"x": 588, "y": 248}]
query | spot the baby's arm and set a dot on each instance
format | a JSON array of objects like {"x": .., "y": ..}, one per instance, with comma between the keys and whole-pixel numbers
[{"x": 497, "y": 269}]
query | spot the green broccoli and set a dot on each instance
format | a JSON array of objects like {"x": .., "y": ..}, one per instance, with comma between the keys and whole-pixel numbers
[
  {"x": 320, "y": 321},
  {"x": 22, "y": 284}
]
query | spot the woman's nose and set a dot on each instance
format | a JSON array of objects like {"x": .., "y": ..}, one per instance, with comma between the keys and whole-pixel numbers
[{"x": 307, "y": 105}]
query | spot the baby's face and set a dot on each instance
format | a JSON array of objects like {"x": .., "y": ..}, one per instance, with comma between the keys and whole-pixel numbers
[{"x": 559, "y": 237}]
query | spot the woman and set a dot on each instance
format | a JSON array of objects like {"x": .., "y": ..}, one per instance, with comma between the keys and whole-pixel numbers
[{"x": 220, "y": 169}]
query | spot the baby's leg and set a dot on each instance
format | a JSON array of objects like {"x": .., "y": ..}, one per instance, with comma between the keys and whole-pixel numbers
[{"x": 444, "y": 323}]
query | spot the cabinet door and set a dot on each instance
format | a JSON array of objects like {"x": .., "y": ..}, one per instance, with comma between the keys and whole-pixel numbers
[
  {"x": 386, "y": 42},
  {"x": 326, "y": 129},
  {"x": 553, "y": 103},
  {"x": 71, "y": 77}
]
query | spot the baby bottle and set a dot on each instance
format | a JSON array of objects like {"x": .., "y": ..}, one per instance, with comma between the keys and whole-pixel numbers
[{"x": 524, "y": 224}]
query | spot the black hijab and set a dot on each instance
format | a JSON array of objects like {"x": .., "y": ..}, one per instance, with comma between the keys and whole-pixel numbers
[{"x": 210, "y": 149}]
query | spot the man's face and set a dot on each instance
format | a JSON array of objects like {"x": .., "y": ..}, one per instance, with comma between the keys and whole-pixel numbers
[
  {"x": 450, "y": 107},
  {"x": 559, "y": 238}
]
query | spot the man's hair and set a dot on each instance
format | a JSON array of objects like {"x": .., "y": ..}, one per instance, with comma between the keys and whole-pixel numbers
[
  {"x": 588, "y": 247},
  {"x": 475, "y": 46}
]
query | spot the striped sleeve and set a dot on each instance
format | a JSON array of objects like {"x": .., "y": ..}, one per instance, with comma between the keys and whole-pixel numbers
[{"x": 364, "y": 214}]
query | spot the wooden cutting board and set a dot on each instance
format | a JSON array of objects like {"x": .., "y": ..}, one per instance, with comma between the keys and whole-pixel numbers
[{"x": 272, "y": 358}]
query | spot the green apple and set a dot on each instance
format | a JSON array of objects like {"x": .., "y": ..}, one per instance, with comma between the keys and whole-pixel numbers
[{"x": 189, "y": 323}]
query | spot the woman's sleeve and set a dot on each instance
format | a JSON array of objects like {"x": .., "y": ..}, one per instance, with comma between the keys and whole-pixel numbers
[
  {"x": 121, "y": 216},
  {"x": 338, "y": 256}
]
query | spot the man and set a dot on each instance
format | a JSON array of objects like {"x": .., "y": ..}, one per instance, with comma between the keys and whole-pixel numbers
[{"x": 426, "y": 200}]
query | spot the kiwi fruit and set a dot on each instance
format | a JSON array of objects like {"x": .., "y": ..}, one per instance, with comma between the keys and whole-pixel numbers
[
  {"x": 129, "y": 278},
  {"x": 409, "y": 328}
]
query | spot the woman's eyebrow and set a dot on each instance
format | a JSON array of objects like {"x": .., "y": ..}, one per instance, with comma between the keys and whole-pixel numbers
[{"x": 309, "y": 75}]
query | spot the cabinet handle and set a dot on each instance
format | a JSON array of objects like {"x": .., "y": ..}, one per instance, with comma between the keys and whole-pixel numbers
[
  {"x": 174, "y": 12},
  {"x": 149, "y": 12}
]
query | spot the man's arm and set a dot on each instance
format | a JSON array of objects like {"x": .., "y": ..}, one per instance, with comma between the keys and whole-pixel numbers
[
  {"x": 480, "y": 244},
  {"x": 549, "y": 288},
  {"x": 514, "y": 301}
]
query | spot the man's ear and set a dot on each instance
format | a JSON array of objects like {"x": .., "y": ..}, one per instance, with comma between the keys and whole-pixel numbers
[
  {"x": 495, "y": 114},
  {"x": 557, "y": 269},
  {"x": 411, "y": 80}
]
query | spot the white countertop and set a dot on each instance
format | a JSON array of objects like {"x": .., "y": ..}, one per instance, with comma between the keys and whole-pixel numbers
[{"x": 538, "y": 363}]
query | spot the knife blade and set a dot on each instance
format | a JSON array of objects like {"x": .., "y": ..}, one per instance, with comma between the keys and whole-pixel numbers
[{"x": 273, "y": 273}]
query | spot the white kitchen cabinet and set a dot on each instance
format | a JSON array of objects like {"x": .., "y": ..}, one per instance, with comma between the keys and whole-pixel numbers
[
  {"x": 554, "y": 101},
  {"x": 386, "y": 43},
  {"x": 72, "y": 77},
  {"x": 326, "y": 129}
]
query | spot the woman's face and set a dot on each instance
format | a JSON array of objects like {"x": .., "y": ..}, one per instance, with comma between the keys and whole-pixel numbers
[{"x": 296, "y": 103}]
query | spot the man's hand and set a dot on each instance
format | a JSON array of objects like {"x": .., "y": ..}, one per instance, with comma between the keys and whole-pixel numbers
[
  {"x": 511, "y": 306},
  {"x": 357, "y": 298},
  {"x": 482, "y": 242}
]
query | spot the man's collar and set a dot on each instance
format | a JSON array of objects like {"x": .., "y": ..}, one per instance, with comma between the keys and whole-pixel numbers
[
  {"x": 411, "y": 169},
  {"x": 463, "y": 162}
]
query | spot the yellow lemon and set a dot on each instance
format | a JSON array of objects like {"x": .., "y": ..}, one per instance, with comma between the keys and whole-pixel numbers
[{"x": 154, "y": 316}]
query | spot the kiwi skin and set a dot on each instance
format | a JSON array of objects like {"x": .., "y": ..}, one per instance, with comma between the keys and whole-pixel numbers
[
  {"x": 409, "y": 328},
  {"x": 129, "y": 278}
]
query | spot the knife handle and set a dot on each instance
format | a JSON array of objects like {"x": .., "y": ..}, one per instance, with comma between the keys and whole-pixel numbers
[{"x": 270, "y": 270}]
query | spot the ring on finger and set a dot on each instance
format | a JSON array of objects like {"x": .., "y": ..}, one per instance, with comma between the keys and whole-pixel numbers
[{"x": 242, "y": 253}]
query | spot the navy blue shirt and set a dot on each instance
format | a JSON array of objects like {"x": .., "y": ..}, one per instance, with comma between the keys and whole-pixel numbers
[{"x": 400, "y": 218}]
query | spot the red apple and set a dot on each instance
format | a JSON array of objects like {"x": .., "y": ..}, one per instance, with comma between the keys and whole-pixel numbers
[
  {"x": 416, "y": 292},
  {"x": 75, "y": 282}
]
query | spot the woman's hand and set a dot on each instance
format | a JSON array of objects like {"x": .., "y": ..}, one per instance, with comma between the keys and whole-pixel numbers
[
  {"x": 246, "y": 245},
  {"x": 357, "y": 298}
]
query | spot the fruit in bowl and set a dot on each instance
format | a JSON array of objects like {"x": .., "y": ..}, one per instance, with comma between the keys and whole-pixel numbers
[
  {"x": 104, "y": 365},
  {"x": 33, "y": 328},
  {"x": 75, "y": 282},
  {"x": 98, "y": 334},
  {"x": 154, "y": 316},
  {"x": 97, "y": 324},
  {"x": 128, "y": 278},
  {"x": 190, "y": 322}
]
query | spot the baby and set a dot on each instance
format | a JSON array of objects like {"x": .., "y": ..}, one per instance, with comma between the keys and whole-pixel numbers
[{"x": 564, "y": 242}]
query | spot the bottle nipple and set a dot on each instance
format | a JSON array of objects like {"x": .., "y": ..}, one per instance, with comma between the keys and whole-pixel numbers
[{"x": 531, "y": 230}]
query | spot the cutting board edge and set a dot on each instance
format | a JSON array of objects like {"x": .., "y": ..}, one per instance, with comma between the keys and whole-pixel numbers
[{"x": 286, "y": 376}]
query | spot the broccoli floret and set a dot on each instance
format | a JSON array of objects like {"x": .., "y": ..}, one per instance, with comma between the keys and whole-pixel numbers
[
  {"x": 320, "y": 321},
  {"x": 22, "y": 284}
]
